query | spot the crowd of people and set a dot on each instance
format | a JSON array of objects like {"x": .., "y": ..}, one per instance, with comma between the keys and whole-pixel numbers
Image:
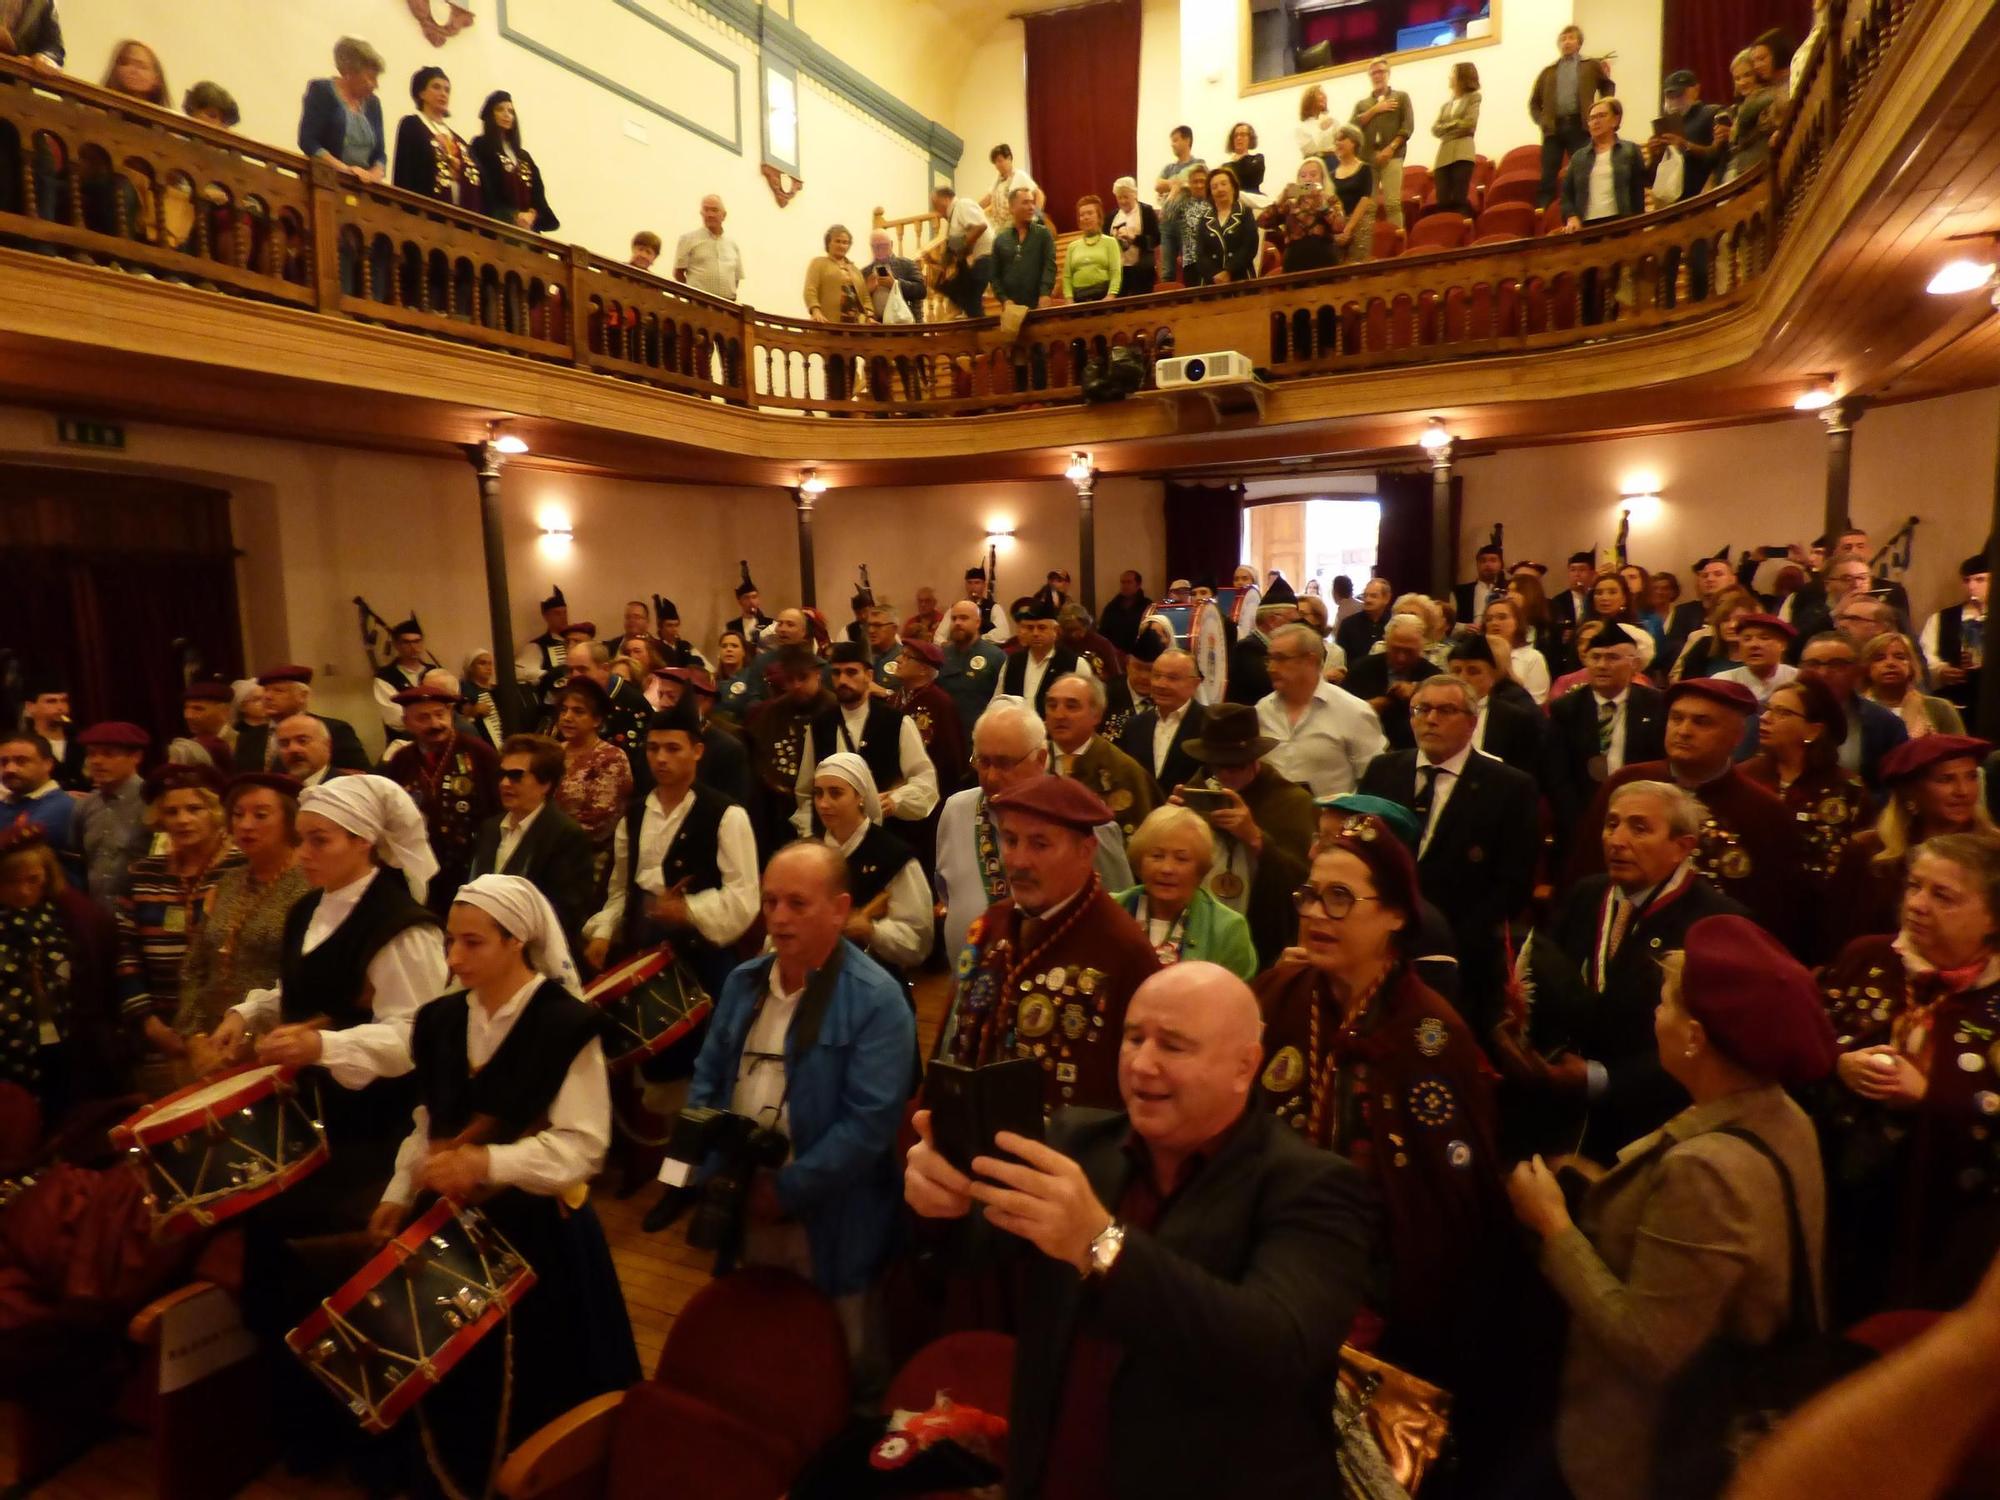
[
  {"x": 1202, "y": 220},
  {"x": 1541, "y": 990}
]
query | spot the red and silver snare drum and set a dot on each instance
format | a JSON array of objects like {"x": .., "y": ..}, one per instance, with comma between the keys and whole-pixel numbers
[
  {"x": 398, "y": 1325},
  {"x": 651, "y": 1000},
  {"x": 223, "y": 1145}
]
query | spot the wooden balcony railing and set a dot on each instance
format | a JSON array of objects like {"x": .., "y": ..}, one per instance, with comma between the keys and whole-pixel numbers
[{"x": 95, "y": 175}]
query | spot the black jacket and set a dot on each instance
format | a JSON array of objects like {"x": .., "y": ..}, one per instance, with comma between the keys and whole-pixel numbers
[
  {"x": 1357, "y": 634},
  {"x": 502, "y": 190},
  {"x": 725, "y": 765},
  {"x": 1369, "y": 679},
  {"x": 1518, "y": 736},
  {"x": 1249, "y": 671},
  {"x": 414, "y": 168},
  {"x": 1228, "y": 246},
  {"x": 1573, "y": 746},
  {"x": 1615, "y": 1025},
  {"x": 1479, "y": 865},
  {"x": 1180, "y": 767},
  {"x": 1119, "y": 621},
  {"x": 348, "y": 755},
  {"x": 1230, "y": 1312},
  {"x": 554, "y": 855}
]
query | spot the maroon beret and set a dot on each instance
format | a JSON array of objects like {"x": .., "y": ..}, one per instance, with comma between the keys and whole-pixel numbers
[
  {"x": 284, "y": 672},
  {"x": 23, "y": 833},
  {"x": 208, "y": 692},
  {"x": 694, "y": 677},
  {"x": 424, "y": 694},
  {"x": 115, "y": 734},
  {"x": 1914, "y": 757},
  {"x": 277, "y": 781},
  {"x": 175, "y": 777},
  {"x": 1729, "y": 694},
  {"x": 1060, "y": 799},
  {"x": 1757, "y": 1003},
  {"x": 581, "y": 627},
  {"x": 1776, "y": 623},
  {"x": 924, "y": 651},
  {"x": 1374, "y": 841}
]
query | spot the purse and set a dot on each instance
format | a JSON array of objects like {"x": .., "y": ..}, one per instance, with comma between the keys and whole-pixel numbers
[{"x": 1404, "y": 1421}]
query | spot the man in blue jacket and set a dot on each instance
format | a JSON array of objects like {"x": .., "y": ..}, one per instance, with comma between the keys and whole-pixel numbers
[{"x": 816, "y": 1038}]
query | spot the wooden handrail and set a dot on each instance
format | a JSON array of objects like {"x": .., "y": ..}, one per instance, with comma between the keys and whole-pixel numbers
[{"x": 91, "y": 172}]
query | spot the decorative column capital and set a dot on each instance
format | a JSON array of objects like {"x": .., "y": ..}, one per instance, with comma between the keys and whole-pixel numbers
[
  {"x": 1841, "y": 416},
  {"x": 1441, "y": 459},
  {"x": 486, "y": 458}
]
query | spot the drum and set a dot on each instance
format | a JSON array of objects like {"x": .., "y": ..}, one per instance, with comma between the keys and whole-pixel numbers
[
  {"x": 1197, "y": 628},
  {"x": 399, "y": 1324},
  {"x": 651, "y": 1001},
  {"x": 223, "y": 1145}
]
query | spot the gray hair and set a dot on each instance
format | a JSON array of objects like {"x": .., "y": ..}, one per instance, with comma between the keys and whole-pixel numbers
[
  {"x": 1073, "y": 613},
  {"x": 1406, "y": 624},
  {"x": 1683, "y": 812},
  {"x": 1171, "y": 820},
  {"x": 595, "y": 652},
  {"x": 1351, "y": 134},
  {"x": 1304, "y": 637},
  {"x": 317, "y": 727},
  {"x": 1014, "y": 713},
  {"x": 1444, "y": 682},
  {"x": 1091, "y": 686},
  {"x": 352, "y": 55},
  {"x": 1125, "y": 182}
]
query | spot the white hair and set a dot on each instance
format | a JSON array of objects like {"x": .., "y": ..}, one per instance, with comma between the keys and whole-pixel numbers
[
  {"x": 1015, "y": 712},
  {"x": 1308, "y": 640},
  {"x": 1683, "y": 812}
]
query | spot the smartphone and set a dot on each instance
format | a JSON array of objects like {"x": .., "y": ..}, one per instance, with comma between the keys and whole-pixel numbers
[
  {"x": 970, "y": 1106},
  {"x": 1668, "y": 124}
]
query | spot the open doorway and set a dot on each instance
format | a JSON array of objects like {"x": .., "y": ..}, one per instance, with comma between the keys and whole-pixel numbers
[{"x": 1314, "y": 541}]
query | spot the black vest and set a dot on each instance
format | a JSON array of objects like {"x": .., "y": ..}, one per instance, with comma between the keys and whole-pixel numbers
[
  {"x": 876, "y": 860},
  {"x": 1951, "y": 641},
  {"x": 519, "y": 1081},
  {"x": 880, "y": 747},
  {"x": 693, "y": 856},
  {"x": 1014, "y": 676}
]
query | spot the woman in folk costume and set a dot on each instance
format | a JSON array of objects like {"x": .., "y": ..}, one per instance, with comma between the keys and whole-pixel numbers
[
  {"x": 514, "y": 1115},
  {"x": 892, "y": 917}
]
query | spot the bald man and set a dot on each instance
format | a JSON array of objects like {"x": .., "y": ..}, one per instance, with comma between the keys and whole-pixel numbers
[
  {"x": 706, "y": 258},
  {"x": 1198, "y": 1266}
]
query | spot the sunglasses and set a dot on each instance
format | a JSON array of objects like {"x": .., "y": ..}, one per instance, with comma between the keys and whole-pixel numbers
[{"x": 514, "y": 775}]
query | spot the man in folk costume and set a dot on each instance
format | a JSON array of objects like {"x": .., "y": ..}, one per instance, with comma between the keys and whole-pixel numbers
[
  {"x": 779, "y": 732},
  {"x": 919, "y": 698},
  {"x": 453, "y": 778},
  {"x": 751, "y": 622},
  {"x": 882, "y": 736},
  {"x": 361, "y": 957},
  {"x": 513, "y": 1103},
  {"x": 1041, "y": 659},
  {"x": 995, "y": 626},
  {"x": 405, "y": 670},
  {"x": 891, "y": 917},
  {"x": 539, "y": 664},
  {"x": 1048, "y": 969},
  {"x": 1129, "y": 693},
  {"x": 675, "y": 651},
  {"x": 1074, "y": 712}
]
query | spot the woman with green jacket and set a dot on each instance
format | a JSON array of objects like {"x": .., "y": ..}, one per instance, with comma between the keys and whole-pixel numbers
[{"x": 1172, "y": 851}]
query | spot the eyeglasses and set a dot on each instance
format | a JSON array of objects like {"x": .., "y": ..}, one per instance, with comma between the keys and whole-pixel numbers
[
  {"x": 996, "y": 762},
  {"x": 1437, "y": 710},
  {"x": 1779, "y": 711},
  {"x": 1335, "y": 900},
  {"x": 514, "y": 775}
]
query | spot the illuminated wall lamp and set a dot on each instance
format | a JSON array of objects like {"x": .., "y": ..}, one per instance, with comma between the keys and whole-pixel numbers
[
  {"x": 1643, "y": 505},
  {"x": 1435, "y": 435},
  {"x": 1000, "y": 537},
  {"x": 810, "y": 484},
  {"x": 557, "y": 535},
  {"x": 1079, "y": 468},
  {"x": 1818, "y": 398}
]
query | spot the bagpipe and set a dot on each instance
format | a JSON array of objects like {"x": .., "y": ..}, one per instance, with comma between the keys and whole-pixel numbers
[
  {"x": 378, "y": 638},
  {"x": 1896, "y": 552}
]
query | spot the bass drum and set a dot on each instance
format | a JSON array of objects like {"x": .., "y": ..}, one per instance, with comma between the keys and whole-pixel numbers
[{"x": 1197, "y": 627}]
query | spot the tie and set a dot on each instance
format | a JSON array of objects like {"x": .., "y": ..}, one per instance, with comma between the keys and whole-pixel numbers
[
  {"x": 1621, "y": 923},
  {"x": 1426, "y": 793},
  {"x": 1607, "y": 718}
]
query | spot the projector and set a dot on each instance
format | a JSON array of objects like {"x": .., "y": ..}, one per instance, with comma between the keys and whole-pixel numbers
[{"x": 1225, "y": 367}]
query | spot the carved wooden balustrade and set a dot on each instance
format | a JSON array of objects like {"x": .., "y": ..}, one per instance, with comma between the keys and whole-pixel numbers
[{"x": 94, "y": 175}]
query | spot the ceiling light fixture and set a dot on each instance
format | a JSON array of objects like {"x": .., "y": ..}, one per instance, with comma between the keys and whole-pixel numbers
[
  {"x": 506, "y": 442},
  {"x": 1818, "y": 398},
  {"x": 810, "y": 484},
  {"x": 1079, "y": 468},
  {"x": 1435, "y": 435},
  {"x": 1961, "y": 275}
]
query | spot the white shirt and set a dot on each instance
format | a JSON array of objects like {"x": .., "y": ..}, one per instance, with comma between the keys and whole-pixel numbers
[
  {"x": 999, "y": 215},
  {"x": 1329, "y": 746},
  {"x": 902, "y": 934},
  {"x": 915, "y": 795},
  {"x": 1032, "y": 675},
  {"x": 528, "y": 661},
  {"x": 561, "y": 1155},
  {"x": 1763, "y": 687},
  {"x": 385, "y": 695},
  {"x": 405, "y": 975},
  {"x": 1927, "y": 640},
  {"x": 1448, "y": 772},
  {"x": 1164, "y": 730},
  {"x": 721, "y": 915},
  {"x": 1134, "y": 221},
  {"x": 760, "y": 1071},
  {"x": 1603, "y": 200},
  {"x": 1315, "y": 137},
  {"x": 511, "y": 834},
  {"x": 1529, "y": 668},
  {"x": 712, "y": 262},
  {"x": 959, "y": 884},
  {"x": 317, "y": 777},
  {"x": 1484, "y": 594},
  {"x": 966, "y": 227}
]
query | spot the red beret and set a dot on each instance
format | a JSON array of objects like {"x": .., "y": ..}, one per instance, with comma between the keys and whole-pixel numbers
[
  {"x": 284, "y": 672},
  {"x": 277, "y": 781},
  {"x": 420, "y": 694},
  {"x": 1777, "y": 623},
  {"x": 208, "y": 692},
  {"x": 581, "y": 627},
  {"x": 23, "y": 833},
  {"x": 1059, "y": 799},
  {"x": 175, "y": 777},
  {"x": 1758, "y": 1004},
  {"x": 1914, "y": 757},
  {"x": 1374, "y": 841},
  {"x": 1732, "y": 695},
  {"x": 924, "y": 651},
  {"x": 115, "y": 734},
  {"x": 694, "y": 677}
]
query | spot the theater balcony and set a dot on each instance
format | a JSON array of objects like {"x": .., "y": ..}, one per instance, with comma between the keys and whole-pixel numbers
[{"x": 246, "y": 289}]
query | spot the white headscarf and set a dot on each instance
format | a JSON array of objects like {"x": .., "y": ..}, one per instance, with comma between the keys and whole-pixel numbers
[
  {"x": 852, "y": 769},
  {"x": 376, "y": 809},
  {"x": 524, "y": 911}
]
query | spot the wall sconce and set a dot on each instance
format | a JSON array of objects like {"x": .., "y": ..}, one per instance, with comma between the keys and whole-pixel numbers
[
  {"x": 1079, "y": 470},
  {"x": 999, "y": 536},
  {"x": 558, "y": 536},
  {"x": 811, "y": 486},
  {"x": 1435, "y": 435},
  {"x": 1641, "y": 501}
]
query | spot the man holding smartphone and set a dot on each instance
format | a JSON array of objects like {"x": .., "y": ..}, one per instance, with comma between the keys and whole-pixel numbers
[{"x": 1199, "y": 1266}]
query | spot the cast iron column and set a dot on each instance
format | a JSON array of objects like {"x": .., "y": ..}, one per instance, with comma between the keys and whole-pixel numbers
[
  {"x": 1444, "y": 545},
  {"x": 1086, "y": 539},
  {"x": 1839, "y": 419},
  {"x": 805, "y": 505},
  {"x": 487, "y": 462}
]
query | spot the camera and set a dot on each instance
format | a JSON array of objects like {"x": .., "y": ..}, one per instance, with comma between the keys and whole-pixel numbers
[{"x": 738, "y": 1146}]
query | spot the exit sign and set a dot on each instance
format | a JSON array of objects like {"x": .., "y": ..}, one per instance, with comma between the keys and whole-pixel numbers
[{"x": 81, "y": 434}]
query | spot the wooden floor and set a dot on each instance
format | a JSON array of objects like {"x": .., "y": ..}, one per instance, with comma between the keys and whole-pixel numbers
[{"x": 658, "y": 1272}]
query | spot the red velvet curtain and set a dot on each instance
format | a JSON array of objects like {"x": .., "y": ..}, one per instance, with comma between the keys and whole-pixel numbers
[
  {"x": 1204, "y": 533},
  {"x": 1705, "y": 34},
  {"x": 1083, "y": 103}
]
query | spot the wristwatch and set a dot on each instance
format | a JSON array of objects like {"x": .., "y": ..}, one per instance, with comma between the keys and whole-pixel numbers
[{"x": 1105, "y": 1248}]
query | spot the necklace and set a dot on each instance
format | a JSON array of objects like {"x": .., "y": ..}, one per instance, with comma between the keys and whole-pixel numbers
[{"x": 1324, "y": 1072}]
